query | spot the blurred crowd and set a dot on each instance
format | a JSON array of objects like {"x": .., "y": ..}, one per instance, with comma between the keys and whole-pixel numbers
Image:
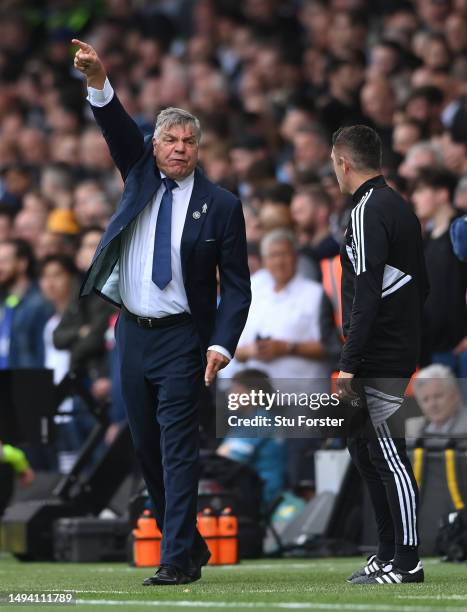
[{"x": 270, "y": 81}]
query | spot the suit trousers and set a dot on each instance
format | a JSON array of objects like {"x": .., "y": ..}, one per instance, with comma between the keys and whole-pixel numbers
[
  {"x": 161, "y": 378},
  {"x": 378, "y": 450}
]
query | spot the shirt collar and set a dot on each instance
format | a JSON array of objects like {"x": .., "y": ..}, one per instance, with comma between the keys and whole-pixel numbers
[
  {"x": 374, "y": 181},
  {"x": 287, "y": 289},
  {"x": 183, "y": 183}
]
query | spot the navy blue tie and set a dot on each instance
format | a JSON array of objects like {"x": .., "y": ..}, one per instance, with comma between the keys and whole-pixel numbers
[{"x": 161, "y": 262}]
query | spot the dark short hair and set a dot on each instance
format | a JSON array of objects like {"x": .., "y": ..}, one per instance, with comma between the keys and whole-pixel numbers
[
  {"x": 317, "y": 194},
  {"x": 363, "y": 145},
  {"x": 436, "y": 178},
  {"x": 7, "y": 211},
  {"x": 65, "y": 261},
  {"x": 23, "y": 250},
  {"x": 432, "y": 94},
  {"x": 253, "y": 379},
  {"x": 90, "y": 229}
]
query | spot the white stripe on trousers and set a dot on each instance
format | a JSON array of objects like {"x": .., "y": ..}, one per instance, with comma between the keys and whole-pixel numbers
[
  {"x": 401, "y": 485},
  {"x": 409, "y": 483}
]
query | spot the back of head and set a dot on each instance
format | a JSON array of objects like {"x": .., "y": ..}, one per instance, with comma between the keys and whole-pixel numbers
[{"x": 361, "y": 145}]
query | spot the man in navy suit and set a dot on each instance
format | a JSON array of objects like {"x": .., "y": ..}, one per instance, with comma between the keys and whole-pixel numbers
[{"x": 157, "y": 260}]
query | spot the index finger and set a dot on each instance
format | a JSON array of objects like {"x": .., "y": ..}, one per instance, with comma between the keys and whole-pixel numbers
[
  {"x": 82, "y": 45},
  {"x": 208, "y": 375}
]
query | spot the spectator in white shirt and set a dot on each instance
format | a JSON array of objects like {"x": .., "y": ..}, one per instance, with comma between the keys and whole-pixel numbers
[
  {"x": 58, "y": 277},
  {"x": 283, "y": 334}
]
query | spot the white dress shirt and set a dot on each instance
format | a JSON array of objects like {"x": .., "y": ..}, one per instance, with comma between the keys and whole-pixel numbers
[{"x": 139, "y": 293}]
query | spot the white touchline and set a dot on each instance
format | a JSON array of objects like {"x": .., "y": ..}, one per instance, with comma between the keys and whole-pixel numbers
[
  {"x": 266, "y": 605},
  {"x": 438, "y": 597}
]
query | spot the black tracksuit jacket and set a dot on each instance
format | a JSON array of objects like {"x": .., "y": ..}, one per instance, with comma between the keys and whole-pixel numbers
[{"x": 384, "y": 284}]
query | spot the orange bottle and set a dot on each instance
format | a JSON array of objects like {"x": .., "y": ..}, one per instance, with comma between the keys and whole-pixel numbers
[
  {"x": 228, "y": 537},
  {"x": 207, "y": 525},
  {"x": 146, "y": 541}
]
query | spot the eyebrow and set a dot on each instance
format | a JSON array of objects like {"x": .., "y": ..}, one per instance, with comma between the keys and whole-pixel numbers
[{"x": 169, "y": 135}]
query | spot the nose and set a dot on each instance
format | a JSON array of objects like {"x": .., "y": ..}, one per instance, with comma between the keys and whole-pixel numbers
[{"x": 180, "y": 146}]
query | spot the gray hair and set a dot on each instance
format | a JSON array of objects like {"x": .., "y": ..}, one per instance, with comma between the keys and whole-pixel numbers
[
  {"x": 176, "y": 116},
  {"x": 435, "y": 371},
  {"x": 427, "y": 146},
  {"x": 277, "y": 235}
]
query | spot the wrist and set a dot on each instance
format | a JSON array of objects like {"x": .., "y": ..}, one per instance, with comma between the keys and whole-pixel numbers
[{"x": 97, "y": 81}]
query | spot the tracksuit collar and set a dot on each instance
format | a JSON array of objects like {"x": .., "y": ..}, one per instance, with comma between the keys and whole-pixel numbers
[{"x": 374, "y": 181}]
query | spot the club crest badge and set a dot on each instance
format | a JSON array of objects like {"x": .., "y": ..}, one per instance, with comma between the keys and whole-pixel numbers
[
  {"x": 196, "y": 214},
  {"x": 205, "y": 208}
]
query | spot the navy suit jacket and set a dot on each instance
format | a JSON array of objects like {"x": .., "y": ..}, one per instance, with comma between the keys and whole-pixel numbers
[{"x": 211, "y": 239}]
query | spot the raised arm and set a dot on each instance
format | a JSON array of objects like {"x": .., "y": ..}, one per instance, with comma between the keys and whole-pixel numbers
[{"x": 125, "y": 141}]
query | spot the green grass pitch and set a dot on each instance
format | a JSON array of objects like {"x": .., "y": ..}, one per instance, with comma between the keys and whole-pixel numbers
[{"x": 290, "y": 584}]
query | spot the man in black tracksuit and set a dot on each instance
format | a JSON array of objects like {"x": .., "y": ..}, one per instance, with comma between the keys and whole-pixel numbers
[{"x": 384, "y": 285}]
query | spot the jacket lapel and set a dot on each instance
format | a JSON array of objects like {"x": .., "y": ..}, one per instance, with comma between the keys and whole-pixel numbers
[
  {"x": 198, "y": 210},
  {"x": 148, "y": 182},
  {"x": 145, "y": 180}
]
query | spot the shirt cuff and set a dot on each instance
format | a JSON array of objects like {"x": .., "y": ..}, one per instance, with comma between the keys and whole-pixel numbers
[
  {"x": 221, "y": 350},
  {"x": 101, "y": 97}
]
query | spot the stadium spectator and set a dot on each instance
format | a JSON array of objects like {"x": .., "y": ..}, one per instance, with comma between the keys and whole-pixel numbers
[
  {"x": 420, "y": 155},
  {"x": 283, "y": 335},
  {"x": 445, "y": 312},
  {"x": 311, "y": 209},
  {"x": 266, "y": 455},
  {"x": 58, "y": 277},
  {"x": 406, "y": 134},
  {"x": 24, "y": 311},
  {"x": 440, "y": 400},
  {"x": 84, "y": 322}
]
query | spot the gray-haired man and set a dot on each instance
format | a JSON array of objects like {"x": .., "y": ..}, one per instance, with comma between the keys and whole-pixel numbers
[{"x": 157, "y": 260}]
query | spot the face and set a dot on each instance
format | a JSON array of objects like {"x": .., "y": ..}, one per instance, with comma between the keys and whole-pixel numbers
[
  {"x": 404, "y": 136},
  {"x": 438, "y": 400},
  {"x": 176, "y": 151},
  {"x": 48, "y": 244},
  {"x": 87, "y": 249},
  {"x": 280, "y": 261},
  {"x": 303, "y": 211},
  {"x": 55, "y": 282},
  {"x": 10, "y": 266},
  {"x": 426, "y": 201},
  {"x": 341, "y": 168},
  {"x": 273, "y": 216},
  {"x": 309, "y": 150},
  {"x": 414, "y": 162}
]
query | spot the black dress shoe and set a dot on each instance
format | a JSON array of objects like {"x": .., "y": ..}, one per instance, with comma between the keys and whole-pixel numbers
[
  {"x": 168, "y": 574},
  {"x": 196, "y": 563}
]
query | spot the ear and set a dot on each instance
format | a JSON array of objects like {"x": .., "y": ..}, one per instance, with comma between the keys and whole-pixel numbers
[{"x": 345, "y": 164}]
